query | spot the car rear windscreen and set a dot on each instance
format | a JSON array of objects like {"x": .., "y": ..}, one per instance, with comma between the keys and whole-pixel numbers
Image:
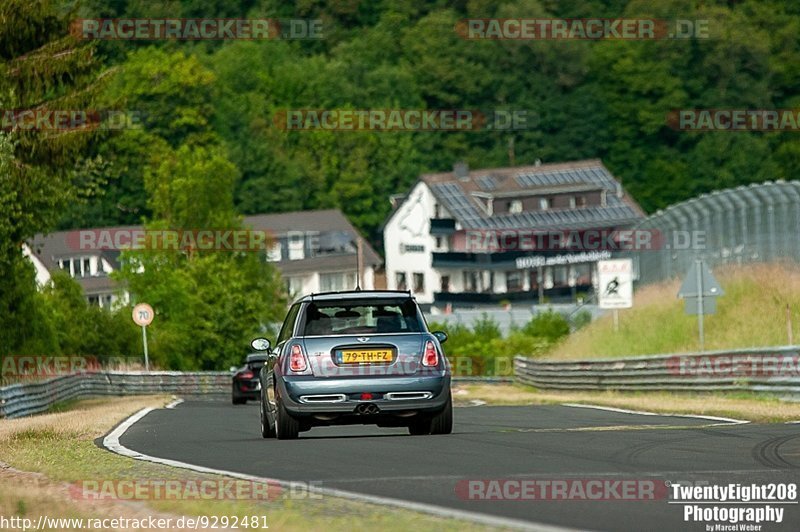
[{"x": 361, "y": 317}]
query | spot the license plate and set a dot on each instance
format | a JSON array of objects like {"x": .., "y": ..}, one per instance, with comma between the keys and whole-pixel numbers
[{"x": 360, "y": 356}]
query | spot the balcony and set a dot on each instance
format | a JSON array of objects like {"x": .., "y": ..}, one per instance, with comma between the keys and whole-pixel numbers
[
  {"x": 463, "y": 259},
  {"x": 443, "y": 226},
  {"x": 557, "y": 294}
]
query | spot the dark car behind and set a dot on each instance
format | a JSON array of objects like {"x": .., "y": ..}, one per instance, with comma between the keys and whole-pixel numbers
[{"x": 246, "y": 385}]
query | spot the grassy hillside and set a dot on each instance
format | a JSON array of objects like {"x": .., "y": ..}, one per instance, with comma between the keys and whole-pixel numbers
[{"x": 751, "y": 314}]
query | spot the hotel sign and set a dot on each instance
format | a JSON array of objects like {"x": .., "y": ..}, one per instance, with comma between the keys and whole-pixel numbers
[{"x": 536, "y": 261}]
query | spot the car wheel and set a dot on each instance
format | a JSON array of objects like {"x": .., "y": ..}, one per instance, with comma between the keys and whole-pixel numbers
[
  {"x": 420, "y": 427},
  {"x": 286, "y": 427},
  {"x": 442, "y": 423},
  {"x": 267, "y": 423},
  {"x": 234, "y": 399}
]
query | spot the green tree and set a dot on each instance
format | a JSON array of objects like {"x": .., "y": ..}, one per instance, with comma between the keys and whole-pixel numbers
[
  {"x": 208, "y": 303},
  {"x": 42, "y": 67}
]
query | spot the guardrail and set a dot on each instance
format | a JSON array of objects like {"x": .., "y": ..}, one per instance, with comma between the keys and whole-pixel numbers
[
  {"x": 774, "y": 371},
  {"x": 24, "y": 399}
]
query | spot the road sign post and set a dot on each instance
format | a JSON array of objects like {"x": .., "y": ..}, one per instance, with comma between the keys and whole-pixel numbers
[
  {"x": 143, "y": 316},
  {"x": 700, "y": 305},
  {"x": 700, "y": 290},
  {"x": 615, "y": 282}
]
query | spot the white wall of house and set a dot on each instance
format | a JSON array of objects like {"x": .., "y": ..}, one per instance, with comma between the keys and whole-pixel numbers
[
  {"x": 311, "y": 283},
  {"x": 42, "y": 273},
  {"x": 408, "y": 243}
]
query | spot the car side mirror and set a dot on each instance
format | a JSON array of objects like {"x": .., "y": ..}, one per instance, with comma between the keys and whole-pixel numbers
[
  {"x": 233, "y": 370},
  {"x": 441, "y": 336},
  {"x": 260, "y": 344}
]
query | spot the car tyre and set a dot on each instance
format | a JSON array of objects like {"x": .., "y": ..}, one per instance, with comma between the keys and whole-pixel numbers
[
  {"x": 286, "y": 427},
  {"x": 267, "y": 421},
  {"x": 234, "y": 399},
  {"x": 420, "y": 427},
  {"x": 442, "y": 423}
]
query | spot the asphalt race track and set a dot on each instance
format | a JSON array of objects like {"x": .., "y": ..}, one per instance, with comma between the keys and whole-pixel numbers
[{"x": 516, "y": 443}]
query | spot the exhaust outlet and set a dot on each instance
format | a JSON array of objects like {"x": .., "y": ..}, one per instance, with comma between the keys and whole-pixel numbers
[{"x": 365, "y": 409}]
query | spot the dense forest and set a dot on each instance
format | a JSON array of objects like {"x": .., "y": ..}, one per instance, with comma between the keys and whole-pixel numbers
[
  {"x": 608, "y": 99},
  {"x": 208, "y": 149}
]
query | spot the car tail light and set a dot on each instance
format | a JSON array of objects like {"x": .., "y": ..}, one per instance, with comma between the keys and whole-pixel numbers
[
  {"x": 297, "y": 361},
  {"x": 246, "y": 374},
  {"x": 430, "y": 357}
]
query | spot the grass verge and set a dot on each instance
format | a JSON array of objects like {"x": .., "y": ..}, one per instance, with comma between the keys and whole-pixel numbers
[
  {"x": 744, "y": 406},
  {"x": 752, "y": 313},
  {"x": 45, "y": 455}
]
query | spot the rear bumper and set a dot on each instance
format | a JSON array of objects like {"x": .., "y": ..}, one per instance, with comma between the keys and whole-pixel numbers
[
  {"x": 247, "y": 389},
  {"x": 298, "y": 394}
]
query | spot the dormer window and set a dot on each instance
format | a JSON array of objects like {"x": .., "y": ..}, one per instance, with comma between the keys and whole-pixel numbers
[
  {"x": 544, "y": 203},
  {"x": 515, "y": 206}
]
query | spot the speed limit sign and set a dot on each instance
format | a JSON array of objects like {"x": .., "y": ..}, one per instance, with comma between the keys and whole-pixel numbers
[{"x": 143, "y": 314}]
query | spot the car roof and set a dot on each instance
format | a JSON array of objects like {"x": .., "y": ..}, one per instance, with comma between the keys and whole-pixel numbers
[{"x": 357, "y": 294}]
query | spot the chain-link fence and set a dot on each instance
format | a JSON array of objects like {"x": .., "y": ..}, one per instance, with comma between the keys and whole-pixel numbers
[{"x": 756, "y": 223}]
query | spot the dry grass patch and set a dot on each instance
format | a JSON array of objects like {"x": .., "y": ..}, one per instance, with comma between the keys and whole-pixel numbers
[
  {"x": 739, "y": 406},
  {"x": 752, "y": 313}
]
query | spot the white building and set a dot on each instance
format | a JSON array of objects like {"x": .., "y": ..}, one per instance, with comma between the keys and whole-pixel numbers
[
  {"x": 441, "y": 240},
  {"x": 315, "y": 251}
]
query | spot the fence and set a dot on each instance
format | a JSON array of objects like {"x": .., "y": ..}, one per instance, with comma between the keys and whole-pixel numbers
[
  {"x": 31, "y": 398},
  {"x": 25, "y": 399},
  {"x": 771, "y": 371},
  {"x": 757, "y": 223}
]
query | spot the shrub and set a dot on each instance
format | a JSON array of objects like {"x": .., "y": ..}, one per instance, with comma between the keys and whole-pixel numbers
[{"x": 549, "y": 325}]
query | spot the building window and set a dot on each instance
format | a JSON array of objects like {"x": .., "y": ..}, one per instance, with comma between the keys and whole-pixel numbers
[
  {"x": 400, "y": 281},
  {"x": 294, "y": 285},
  {"x": 419, "y": 282},
  {"x": 413, "y": 248},
  {"x": 583, "y": 274},
  {"x": 274, "y": 252},
  {"x": 337, "y": 282},
  {"x": 296, "y": 246},
  {"x": 560, "y": 277},
  {"x": 572, "y": 202},
  {"x": 515, "y": 206},
  {"x": 514, "y": 281},
  {"x": 438, "y": 242},
  {"x": 471, "y": 281},
  {"x": 445, "y": 283},
  {"x": 581, "y": 201},
  {"x": 87, "y": 267},
  {"x": 544, "y": 203}
]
